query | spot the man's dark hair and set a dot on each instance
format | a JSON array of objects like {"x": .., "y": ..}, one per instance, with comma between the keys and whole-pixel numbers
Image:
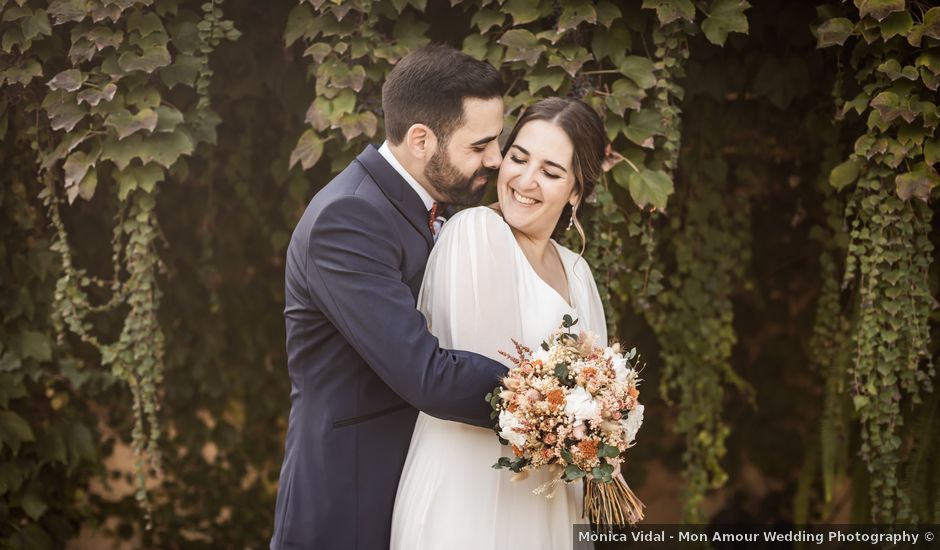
[{"x": 428, "y": 87}]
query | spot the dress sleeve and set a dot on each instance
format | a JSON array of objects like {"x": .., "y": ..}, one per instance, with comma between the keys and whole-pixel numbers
[{"x": 470, "y": 294}]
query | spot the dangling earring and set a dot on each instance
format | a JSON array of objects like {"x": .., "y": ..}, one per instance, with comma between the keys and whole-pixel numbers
[{"x": 571, "y": 218}]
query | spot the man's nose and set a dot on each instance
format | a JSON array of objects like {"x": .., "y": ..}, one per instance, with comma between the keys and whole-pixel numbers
[{"x": 491, "y": 156}]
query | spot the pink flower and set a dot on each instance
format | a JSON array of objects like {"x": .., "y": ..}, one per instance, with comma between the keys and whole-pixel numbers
[{"x": 579, "y": 432}]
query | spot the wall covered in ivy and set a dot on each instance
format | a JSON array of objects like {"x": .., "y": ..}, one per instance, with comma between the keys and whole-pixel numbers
[{"x": 767, "y": 242}]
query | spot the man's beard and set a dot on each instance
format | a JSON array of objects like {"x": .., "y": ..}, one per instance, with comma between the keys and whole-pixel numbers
[{"x": 450, "y": 184}]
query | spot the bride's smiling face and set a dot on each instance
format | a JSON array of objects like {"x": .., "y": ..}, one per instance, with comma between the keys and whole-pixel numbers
[{"x": 536, "y": 179}]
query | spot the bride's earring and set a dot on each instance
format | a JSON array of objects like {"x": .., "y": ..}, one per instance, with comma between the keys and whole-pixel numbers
[{"x": 574, "y": 210}]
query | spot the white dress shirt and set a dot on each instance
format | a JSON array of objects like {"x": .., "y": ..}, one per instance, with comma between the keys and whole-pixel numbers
[{"x": 419, "y": 189}]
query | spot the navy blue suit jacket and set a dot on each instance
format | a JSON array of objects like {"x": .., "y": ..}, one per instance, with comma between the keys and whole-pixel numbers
[{"x": 361, "y": 360}]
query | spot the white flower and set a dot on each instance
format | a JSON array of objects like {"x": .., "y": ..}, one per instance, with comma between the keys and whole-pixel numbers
[
  {"x": 508, "y": 424},
  {"x": 619, "y": 362},
  {"x": 579, "y": 405},
  {"x": 541, "y": 355},
  {"x": 631, "y": 424}
]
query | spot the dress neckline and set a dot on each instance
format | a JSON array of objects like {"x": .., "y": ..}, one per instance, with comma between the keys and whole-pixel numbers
[{"x": 525, "y": 259}]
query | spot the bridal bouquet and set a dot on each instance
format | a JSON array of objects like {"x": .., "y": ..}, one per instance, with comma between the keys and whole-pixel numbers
[{"x": 572, "y": 406}]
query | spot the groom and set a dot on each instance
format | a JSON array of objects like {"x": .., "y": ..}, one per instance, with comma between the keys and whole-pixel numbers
[{"x": 361, "y": 360}]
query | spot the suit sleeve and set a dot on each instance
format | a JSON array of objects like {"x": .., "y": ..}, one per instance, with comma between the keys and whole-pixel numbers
[{"x": 353, "y": 271}]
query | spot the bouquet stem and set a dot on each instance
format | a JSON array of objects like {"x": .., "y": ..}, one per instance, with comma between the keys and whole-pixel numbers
[{"x": 611, "y": 503}]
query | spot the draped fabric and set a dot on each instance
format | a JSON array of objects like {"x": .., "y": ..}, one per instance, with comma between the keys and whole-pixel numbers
[{"x": 479, "y": 292}]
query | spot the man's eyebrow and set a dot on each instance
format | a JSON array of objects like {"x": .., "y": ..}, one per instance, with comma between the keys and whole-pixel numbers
[
  {"x": 555, "y": 164},
  {"x": 483, "y": 141}
]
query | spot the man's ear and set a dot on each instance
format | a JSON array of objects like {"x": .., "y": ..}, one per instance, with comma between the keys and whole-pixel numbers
[{"x": 421, "y": 141}]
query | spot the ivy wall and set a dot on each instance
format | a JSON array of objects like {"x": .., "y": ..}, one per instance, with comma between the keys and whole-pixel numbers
[{"x": 767, "y": 243}]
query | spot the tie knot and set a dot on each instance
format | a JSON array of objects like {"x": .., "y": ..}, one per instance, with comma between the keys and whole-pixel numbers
[{"x": 436, "y": 217}]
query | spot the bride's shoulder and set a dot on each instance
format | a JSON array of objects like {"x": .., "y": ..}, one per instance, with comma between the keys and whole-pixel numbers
[{"x": 478, "y": 219}]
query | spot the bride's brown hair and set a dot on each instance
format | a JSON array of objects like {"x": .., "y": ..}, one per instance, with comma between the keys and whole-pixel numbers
[{"x": 585, "y": 129}]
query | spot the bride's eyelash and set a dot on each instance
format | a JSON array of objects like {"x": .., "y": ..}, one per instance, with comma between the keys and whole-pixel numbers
[{"x": 518, "y": 160}]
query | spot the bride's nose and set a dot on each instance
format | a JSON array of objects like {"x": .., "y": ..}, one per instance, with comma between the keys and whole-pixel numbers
[{"x": 529, "y": 179}]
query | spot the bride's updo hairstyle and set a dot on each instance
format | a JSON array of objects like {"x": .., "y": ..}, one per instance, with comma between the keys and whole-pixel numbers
[{"x": 585, "y": 129}]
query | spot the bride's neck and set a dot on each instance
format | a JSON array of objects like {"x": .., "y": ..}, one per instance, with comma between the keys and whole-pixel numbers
[{"x": 536, "y": 248}]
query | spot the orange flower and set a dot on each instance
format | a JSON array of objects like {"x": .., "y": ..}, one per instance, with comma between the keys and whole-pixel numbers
[
  {"x": 511, "y": 407},
  {"x": 555, "y": 397},
  {"x": 588, "y": 448},
  {"x": 517, "y": 450},
  {"x": 633, "y": 392},
  {"x": 589, "y": 371}
]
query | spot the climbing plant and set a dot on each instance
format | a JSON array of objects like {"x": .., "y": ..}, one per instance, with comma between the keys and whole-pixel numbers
[
  {"x": 156, "y": 161},
  {"x": 893, "y": 51}
]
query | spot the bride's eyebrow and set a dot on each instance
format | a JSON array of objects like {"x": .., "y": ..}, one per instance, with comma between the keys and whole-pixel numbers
[{"x": 546, "y": 161}]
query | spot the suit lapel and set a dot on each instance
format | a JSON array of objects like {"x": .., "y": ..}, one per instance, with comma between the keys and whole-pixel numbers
[{"x": 399, "y": 193}]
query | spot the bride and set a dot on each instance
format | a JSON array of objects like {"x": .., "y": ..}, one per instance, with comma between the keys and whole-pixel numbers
[{"x": 496, "y": 274}]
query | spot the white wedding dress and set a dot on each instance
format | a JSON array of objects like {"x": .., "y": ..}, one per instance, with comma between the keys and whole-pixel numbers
[{"x": 479, "y": 291}]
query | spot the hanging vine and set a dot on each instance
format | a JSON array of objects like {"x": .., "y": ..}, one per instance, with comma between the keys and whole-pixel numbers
[
  {"x": 110, "y": 119},
  {"x": 889, "y": 179}
]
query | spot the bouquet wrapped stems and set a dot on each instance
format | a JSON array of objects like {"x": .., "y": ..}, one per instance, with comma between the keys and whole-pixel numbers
[{"x": 611, "y": 503}]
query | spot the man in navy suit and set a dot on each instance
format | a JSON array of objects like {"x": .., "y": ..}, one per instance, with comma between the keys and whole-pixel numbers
[{"x": 361, "y": 360}]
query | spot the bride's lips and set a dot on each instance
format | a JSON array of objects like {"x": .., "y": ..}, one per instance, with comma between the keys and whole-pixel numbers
[{"x": 522, "y": 200}]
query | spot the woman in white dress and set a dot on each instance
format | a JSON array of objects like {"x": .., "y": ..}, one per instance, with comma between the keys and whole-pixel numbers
[{"x": 496, "y": 274}]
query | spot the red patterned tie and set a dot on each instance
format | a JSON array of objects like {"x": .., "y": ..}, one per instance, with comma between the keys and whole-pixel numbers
[{"x": 432, "y": 216}]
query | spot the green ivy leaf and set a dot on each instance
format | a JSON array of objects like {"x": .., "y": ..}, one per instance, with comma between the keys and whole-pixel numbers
[
  {"x": 81, "y": 444},
  {"x": 36, "y": 25},
  {"x": 410, "y": 32},
  {"x": 834, "y": 32},
  {"x": 125, "y": 124},
  {"x": 94, "y": 96},
  {"x": 184, "y": 70},
  {"x": 931, "y": 23},
  {"x": 650, "y": 187},
  {"x": 521, "y": 45},
  {"x": 522, "y": 11},
  {"x": 86, "y": 188},
  {"x": 574, "y": 13},
  {"x": 35, "y": 345},
  {"x": 879, "y": 9},
  {"x": 895, "y": 24},
  {"x": 724, "y": 17},
  {"x": 64, "y": 11},
  {"x": 485, "y": 19},
  {"x": 476, "y": 45},
  {"x": 888, "y": 105},
  {"x": 640, "y": 70},
  {"x": 668, "y": 11},
  {"x": 540, "y": 77},
  {"x": 145, "y": 23},
  {"x": 930, "y": 60},
  {"x": 14, "y": 430},
  {"x": 145, "y": 177},
  {"x": 624, "y": 94},
  {"x": 643, "y": 126},
  {"x": 298, "y": 21},
  {"x": 844, "y": 174},
  {"x": 607, "y": 13},
  {"x": 918, "y": 183},
  {"x": 68, "y": 80},
  {"x": 932, "y": 151},
  {"x": 611, "y": 43},
  {"x": 151, "y": 60},
  {"x": 308, "y": 150}
]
